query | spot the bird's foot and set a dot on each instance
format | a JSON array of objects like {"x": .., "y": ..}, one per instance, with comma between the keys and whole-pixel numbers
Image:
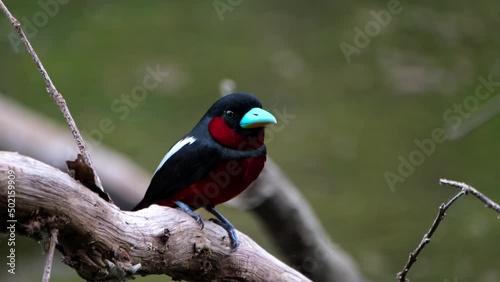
[
  {"x": 224, "y": 223},
  {"x": 231, "y": 231},
  {"x": 198, "y": 219},
  {"x": 185, "y": 208}
]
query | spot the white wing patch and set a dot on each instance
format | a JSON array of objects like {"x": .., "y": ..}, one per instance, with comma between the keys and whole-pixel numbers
[{"x": 183, "y": 142}]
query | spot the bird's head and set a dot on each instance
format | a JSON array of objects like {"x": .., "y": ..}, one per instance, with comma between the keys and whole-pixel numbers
[{"x": 237, "y": 118}]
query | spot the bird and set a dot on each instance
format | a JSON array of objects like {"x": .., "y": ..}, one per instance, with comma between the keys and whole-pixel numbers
[{"x": 217, "y": 160}]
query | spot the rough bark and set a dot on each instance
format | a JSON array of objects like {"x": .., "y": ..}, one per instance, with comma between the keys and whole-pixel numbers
[{"x": 103, "y": 243}]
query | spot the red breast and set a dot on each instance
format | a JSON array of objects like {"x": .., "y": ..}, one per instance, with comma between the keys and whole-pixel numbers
[
  {"x": 225, "y": 182},
  {"x": 229, "y": 178}
]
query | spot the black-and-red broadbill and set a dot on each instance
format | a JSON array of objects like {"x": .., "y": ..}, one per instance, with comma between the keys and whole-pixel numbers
[{"x": 221, "y": 156}]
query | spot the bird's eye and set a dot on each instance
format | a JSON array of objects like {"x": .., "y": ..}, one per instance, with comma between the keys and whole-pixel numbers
[{"x": 229, "y": 114}]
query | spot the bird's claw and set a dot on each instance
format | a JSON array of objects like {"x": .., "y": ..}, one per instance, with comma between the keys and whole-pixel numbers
[
  {"x": 235, "y": 243},
  {"x": 199, "y": 220},
  {"x": 191, "y": 213}
]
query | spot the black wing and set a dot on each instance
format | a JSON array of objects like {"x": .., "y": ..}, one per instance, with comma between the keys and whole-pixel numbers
[{"x": 188, "y": 165}]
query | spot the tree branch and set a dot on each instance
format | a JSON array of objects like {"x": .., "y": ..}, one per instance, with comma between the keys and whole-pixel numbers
[
  {"x": 471, "y": 190},
  {"x": 51, "y": 89},
  {"x": 50, "y": 255},
  {"x": 465, "y": 190},
  {"x": 103, "y": 243},
  {"x": 401, "y": 276}
]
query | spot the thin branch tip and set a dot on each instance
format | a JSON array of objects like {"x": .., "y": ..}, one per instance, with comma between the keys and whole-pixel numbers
[
  {"x": 50, "y": 254},
  {"x": 52, "y": 91},
  {"x": 465, "y": 189}
]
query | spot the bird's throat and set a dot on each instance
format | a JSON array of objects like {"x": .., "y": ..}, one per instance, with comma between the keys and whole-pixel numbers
[{"x": 228, "y": 137}]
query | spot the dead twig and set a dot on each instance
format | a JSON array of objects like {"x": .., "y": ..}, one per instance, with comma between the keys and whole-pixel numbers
[
  {"x": 427, "y": 237},
  {"x": 50, "y": 255},
  {"x": 469, "y": 189},
  {"x": 465, "y": 190},
  {"x": 51, "y": 89}
]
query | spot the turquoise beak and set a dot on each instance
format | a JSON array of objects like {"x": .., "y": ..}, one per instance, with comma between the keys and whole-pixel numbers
[{"x": 257, "y": 117}]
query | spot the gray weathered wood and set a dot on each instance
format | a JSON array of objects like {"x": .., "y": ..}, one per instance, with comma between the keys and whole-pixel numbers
[{"x": 103, "y": 243}]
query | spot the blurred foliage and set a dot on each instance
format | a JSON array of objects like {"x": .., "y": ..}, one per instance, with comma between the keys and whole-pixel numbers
[{"x": 353, "y": 120}]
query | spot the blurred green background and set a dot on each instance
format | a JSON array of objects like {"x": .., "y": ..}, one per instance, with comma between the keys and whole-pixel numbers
[{"x": 353, "y": 120}]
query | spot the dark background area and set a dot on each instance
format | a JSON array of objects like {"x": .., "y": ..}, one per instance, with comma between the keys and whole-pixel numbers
[{"x": 353, "y": 120}]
